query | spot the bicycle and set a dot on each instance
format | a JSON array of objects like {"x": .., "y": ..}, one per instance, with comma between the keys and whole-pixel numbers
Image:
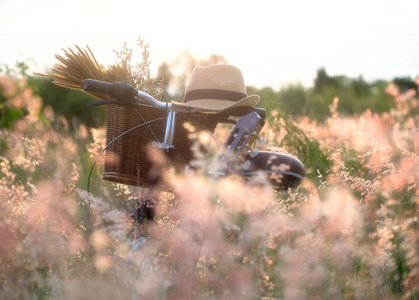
[{"x": 238, "y": 154}]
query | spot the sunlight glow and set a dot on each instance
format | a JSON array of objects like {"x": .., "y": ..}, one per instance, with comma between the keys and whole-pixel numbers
[{"x": 274, "y": 42}]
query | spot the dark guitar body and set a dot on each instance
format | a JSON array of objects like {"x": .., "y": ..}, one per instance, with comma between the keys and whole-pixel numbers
[{"x": 283, "y": 171}]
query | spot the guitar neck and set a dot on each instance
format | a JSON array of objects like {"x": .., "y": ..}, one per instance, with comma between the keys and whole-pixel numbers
[{"x": 240, "y": 141}]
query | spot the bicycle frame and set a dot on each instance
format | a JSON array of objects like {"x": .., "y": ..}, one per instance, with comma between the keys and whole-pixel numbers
[{"x": 171, "y": 119}]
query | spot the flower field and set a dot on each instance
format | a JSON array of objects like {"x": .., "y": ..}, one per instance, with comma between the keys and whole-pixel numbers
[{"x": 350, "y": 231}]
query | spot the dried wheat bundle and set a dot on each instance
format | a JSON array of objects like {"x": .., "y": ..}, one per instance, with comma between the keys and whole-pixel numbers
[{"x": 76, "y": 66}]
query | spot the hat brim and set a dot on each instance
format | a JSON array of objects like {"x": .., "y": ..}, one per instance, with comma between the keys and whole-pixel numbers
[{"x": 217, "y": 104}]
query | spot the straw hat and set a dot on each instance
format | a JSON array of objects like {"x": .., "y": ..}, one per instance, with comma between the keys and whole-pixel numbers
[{"x": 216, "y": 88}]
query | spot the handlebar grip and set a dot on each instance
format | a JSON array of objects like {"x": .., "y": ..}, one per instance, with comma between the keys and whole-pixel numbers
[
  {"x": 100, "y": 87},
  {"x": 121, "y": 91}
]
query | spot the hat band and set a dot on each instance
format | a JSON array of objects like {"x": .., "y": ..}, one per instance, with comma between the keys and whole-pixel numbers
[{"x": 213, "y": 94}]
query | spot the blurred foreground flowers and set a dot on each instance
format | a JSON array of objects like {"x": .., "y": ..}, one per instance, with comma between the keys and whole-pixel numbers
[{"x": 350, "y": 231}]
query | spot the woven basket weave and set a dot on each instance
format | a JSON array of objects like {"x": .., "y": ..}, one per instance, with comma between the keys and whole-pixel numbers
[{"x": 128, "y": 138}]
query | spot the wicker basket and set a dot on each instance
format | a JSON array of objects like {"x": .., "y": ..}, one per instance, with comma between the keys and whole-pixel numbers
[{"x": 127, "y": 139}]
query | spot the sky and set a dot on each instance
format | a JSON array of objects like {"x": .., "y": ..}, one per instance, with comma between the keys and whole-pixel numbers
[{"x": 274, "y": 43}]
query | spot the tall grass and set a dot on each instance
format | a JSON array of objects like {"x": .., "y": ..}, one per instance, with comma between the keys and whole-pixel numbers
[{"x": 350, "y": 231}]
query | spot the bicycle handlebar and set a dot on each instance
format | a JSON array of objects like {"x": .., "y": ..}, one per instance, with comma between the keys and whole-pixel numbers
[{"x": 123, "y": 92}]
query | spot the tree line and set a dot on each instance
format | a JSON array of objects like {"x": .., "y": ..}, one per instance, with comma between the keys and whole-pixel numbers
[{"x": 348, "y": 96}]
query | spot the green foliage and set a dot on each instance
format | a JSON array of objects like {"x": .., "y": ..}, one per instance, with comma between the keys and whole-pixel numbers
[
  {"x": 8, "y": 112},
  {"x": 71, "y": 104},
  {"x": 20, "y": 69},
  {"x": 294, "y": 99},
  {"x": 8, "y": 115},
  {"x": 307, "y": 149},
  {"x": 405, "y": 83},
  {"x": 268, "y": 97},
  {"x": 355, "y": 96}
]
